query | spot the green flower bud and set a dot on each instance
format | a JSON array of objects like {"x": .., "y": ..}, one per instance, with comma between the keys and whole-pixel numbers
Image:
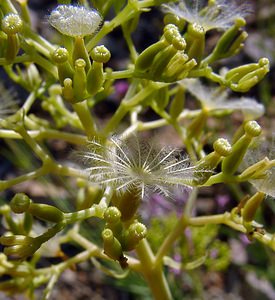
[
  {"x": 176, "y": 66},
  {"x": 101, "y": 54},
  {"x": 79, "y": 80},
  {"x": 112, "y": 215},
  {"x": 175, "y": 20},
  {"x": 136, "y": 232},
  {"x": 67, "y": 90},
  {"x": 12, "y": 24},
  {"x": 230, "y": 42},
  {"x": 20, "y": 203},
  {"x": 19, "y": 246},
  {"x": 145, "y": 59},
  {"x": 251, "y": 206},
  {"x": 111, "y": 245},
  {"x": 242, "y": 78},
  {"x": 222, "y": 148},
  {"x": 231, "y": 163},
  {"x": 80, "y": 51},
  {"x": 61, "y": 57},
  {"x": 95, "y": 78},
  {"x": 195, "y": 39},
  {"x": 161, "y": 61},
  {"x": 46, "y": 212}
]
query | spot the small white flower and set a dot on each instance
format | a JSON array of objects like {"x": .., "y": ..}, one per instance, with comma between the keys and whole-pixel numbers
[
  {"x": 132, "y": 164},
  {"x": 75, "y": 20},
  {"x": 219, "y": 14},
  {"x": 213, "y": 99}
]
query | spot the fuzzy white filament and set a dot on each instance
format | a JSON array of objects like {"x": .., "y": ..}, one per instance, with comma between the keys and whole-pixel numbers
[
  {"x": 218, "y": 14},
  {"x": 75, "y": 20},
  {"x": 134, "y": 164}
]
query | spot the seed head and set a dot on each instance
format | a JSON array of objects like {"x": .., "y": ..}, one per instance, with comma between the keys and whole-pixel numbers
[
  {"x": 132, "y": 164},
  {"x": 218, "y": 14},
  {"x": 75, "y": 20}
]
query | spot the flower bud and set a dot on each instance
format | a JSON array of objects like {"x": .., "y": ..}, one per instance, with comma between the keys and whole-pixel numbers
[
  {"x": 231, "y": 163},
  {"x": 135, "y": 233},
  {"x": 101, "y": 54},
  {"x": 67, "y": 90},
  {"x": 207, "y": 164},
  {"x": 20, "y": 203},
  {"x": 12, "y": 24},
  {"x": 112, "y": 215},
  {"x": 145, "y": 59},
  {"x": 19, "y": 246},
  {"x": 196, "y": 126},
  {"x": 230, "y": 42},
  {"x": 242, "y": 78},
  {"x": 80, "y": 51},
  {"x": 195, "y": 39},
  {"x": 161, "y": 61},
  {"x": 46, "y": 212},
  {"x": 61, "y": 57},
  {"x": 79, "y": 80},
  {"x": 175, "y": 20},
  {"x": 250, "y": 208},
  {"x": 112, "y": 246}
]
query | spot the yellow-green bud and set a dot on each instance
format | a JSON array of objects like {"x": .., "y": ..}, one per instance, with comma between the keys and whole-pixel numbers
[
  {"x": 12, "y": 24},
  {"x": 222, "y": 147},
  {"x": 95, "y": 78},
  {"x": 101, "y": 54},
  {"x": 136, "y": 232},
  {"x": 173, "y": 19},
  {"x": 20, "y": 203},
  {"x": 195, "y": 39},
  {"x": 79, "y": 80},
  {"x": 112, "y": 215},
  {"x": 251, "y": 206},
  {"x": 145, "y": 59},
  {"x": 46, "y": 212},
  {"x": 231, "y": 163},
  {"x": 111, "y": 245},
  {"x": 230, "y": 42},
  {"x": 67, "y": 90},
  {"x": 207, "y": 164},
  {"x": 80, "y": 51}
]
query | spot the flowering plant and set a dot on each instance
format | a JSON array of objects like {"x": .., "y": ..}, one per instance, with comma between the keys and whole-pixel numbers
[{"x": 116, "y": 177}]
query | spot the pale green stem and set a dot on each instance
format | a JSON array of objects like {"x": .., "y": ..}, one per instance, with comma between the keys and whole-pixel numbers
[
  {"x": 47, "y": 134},
  {"x": 5, "y": 184},
  {"x": 153, "y": 274},
  {"x": 86, "y": 118}
]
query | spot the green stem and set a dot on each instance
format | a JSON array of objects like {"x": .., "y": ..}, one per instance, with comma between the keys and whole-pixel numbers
[
  {"x": 153, "y": 274},
  {"x": 85, "y": 117}
]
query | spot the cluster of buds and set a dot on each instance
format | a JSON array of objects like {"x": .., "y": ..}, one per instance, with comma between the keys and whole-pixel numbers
[
  {"x": 166, "y": 60},
  {"x": 243, "y": 78},
  {"x": 119, "y": 236},
  {"x": 19, "y": 244},
  {"x": 79, "y": 77}
]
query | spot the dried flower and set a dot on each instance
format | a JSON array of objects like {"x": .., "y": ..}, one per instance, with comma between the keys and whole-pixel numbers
[
  {"x": 218, "y": 14},
  {"x": 75, "y": 20},
  {"x": 132, "y": 164},
  {"x": 214, "y": 99}
]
